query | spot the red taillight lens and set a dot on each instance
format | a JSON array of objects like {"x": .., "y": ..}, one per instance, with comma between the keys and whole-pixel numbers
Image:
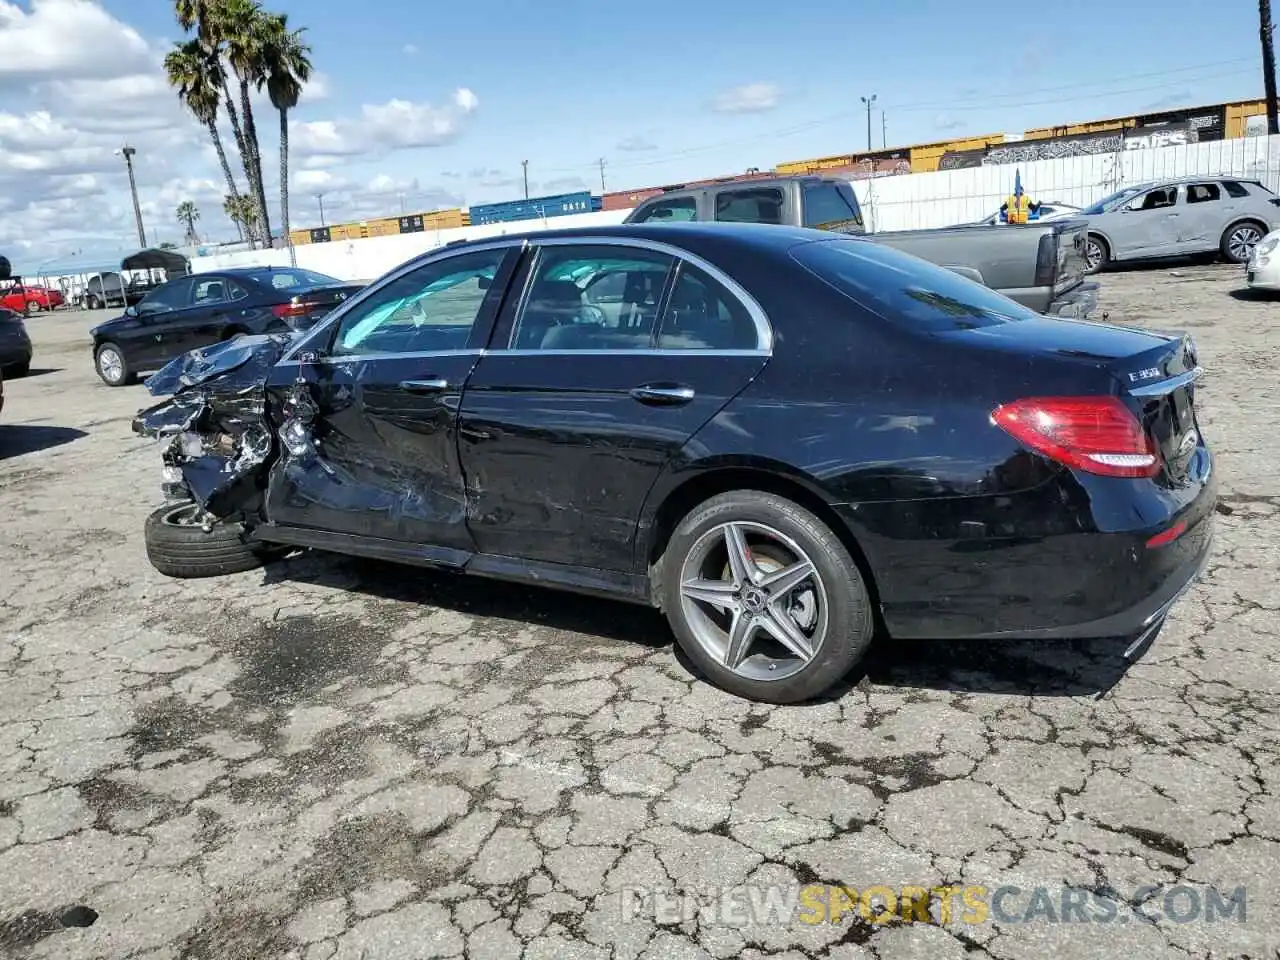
[
  {"x": 290, "y": 309},
  {"x": 1094, "y": 434}
]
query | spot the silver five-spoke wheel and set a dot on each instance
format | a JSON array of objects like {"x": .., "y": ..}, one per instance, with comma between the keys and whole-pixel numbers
[
  {"x": 754, "y": 600},
  {"x": 1241, "y": 241}
]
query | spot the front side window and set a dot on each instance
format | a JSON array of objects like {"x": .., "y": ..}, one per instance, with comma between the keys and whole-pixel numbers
[
  {"x": 904, "y": 289},
  {"x": 592, "y": 298},
  {"x": 172, "y": 296},
  {"x": 703, "y": 315},
  {"x": 428, "y": 310},
  {"x": 758, "y": 205},
  {"x": 1157, "y": 199},
  {"x": 676, "y": 210}
]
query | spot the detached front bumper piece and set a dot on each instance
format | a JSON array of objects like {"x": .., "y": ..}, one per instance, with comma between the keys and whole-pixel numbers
[{"x": 1078, "y": 303}]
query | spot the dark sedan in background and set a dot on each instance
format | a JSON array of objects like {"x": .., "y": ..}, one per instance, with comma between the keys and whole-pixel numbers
[
  {"x": 15, "y": 344},
  {"x": 782, "y": 438},
  {"x": 196, "y": 311}
]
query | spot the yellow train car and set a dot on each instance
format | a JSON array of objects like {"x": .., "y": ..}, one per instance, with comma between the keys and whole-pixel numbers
[
  {"x": 444, "y": 219},
  {"x": 816, "y": 165},
  {"x": 385, "y": 227},
  {"x": 299, "y": 237},
  {"x": 1236, "y": 118},
  {"x": 926, "y": 157},
  {"x": 1075, "y": 129}
]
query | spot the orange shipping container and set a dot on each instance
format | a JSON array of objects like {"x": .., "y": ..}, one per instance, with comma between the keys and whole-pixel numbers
[{"x": 626, "y": 199}]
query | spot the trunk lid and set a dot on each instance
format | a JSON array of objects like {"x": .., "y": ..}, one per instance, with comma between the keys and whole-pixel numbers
[
  {"x": 1155, "y": 373},
  {"x": 308, "y": 305}
]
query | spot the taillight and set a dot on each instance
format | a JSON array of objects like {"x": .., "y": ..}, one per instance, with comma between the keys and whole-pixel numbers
[
  {"x": 291, "y": 309},
  {"x": 1095, "y": 434},
  {"x": 1046, "y": 259}
]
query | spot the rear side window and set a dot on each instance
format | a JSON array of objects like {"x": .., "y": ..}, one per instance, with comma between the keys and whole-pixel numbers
[
  {"x": 1203, "y": 193},
  {"x": 1234, "y": 189},
  {"x": 703, "y": 315},
  {"x": 827, "y": 206},
  {"x": 904, "y": 289},
  {"x": 761, "y": 205}
]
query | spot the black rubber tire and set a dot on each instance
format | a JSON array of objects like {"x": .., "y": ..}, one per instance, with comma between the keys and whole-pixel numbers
[
  {"x": 128, "y": 375},
  {"x": 1102, "y": 245},
  {"x": 1224, "y": 245},
  {"x": 33, "y": 307},
  {"x": 187, "y": 552},
  {"x": 852, "y": 624},
  {"x": 17, "y": 371},
  {"x": 92, "y": 303}
]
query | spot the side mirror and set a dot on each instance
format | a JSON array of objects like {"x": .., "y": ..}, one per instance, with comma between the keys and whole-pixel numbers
[{"x": 131, "y": 311}]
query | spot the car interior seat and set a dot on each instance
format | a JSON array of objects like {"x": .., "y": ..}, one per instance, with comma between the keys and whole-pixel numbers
[{"x": 552, "y": 303}]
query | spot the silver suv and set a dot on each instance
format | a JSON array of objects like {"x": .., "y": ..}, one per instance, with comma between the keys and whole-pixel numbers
[{"x": 1182, "y": 217}]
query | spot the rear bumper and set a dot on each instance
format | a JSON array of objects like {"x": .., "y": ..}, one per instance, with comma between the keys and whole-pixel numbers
[{"x": 1078, "y": 302}]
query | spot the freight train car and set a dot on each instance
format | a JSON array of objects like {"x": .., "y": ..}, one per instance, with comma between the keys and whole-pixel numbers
[{"x": 535, "y": 208}]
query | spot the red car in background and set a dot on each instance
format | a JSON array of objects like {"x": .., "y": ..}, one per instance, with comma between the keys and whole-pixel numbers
[{"x": 26, "y": 298}]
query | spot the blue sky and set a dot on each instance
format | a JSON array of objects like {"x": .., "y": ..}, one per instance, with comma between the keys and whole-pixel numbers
[{"x": 663, "y": 91}]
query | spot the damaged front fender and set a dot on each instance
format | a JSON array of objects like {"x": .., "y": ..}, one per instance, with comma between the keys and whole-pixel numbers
[{"x": 217, "y": 438}]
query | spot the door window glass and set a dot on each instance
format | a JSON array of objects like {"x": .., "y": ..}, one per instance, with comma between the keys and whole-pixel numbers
[
  {"x": 676, "y": 210},
  {"x": 760, "y": 205},
  {"x": 826, "y": 206},
  {"x": 1203, "y": 193},
  {"x": 210, "y": 291},
  {"x": 428, "y": 310},
  {"x": 703, "y": 315},
  {"x": 1157, "y": 199},
  {"x": 170, "y": 296},
  {"x": 1234, "y": 189},
  {"x": 592, "y": 298}
]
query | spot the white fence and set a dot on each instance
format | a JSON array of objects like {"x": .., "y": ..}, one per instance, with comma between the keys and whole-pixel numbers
[{"x": 906, "y": 202}]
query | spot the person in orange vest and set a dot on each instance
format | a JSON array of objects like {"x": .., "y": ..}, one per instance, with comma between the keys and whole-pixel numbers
[{"x": 1019, "y": 208}]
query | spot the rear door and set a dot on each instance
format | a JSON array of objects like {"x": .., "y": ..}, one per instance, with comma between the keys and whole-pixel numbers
[
  {"x": 616, "y": 353},
  {"x": 1204, "y": 216},
  {"x": 387, "y": 386}
]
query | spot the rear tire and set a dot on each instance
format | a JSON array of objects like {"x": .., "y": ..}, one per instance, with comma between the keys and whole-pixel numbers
[
  {"x": 1239, "y": 240},
  {"x": 825, "y": 616},
  {"x": 17, "y": 371},
  {"x": 179, "y": 547},
  {"x": 92, "y": 303},
  {"x": 109, "y": 360},
  {"x": 1096, "y": 254}
]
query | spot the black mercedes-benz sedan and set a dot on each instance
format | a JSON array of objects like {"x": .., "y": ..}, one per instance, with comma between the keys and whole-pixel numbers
[
  {"x": 786, "y": 440},
  {"x": 195, "y": 311}
]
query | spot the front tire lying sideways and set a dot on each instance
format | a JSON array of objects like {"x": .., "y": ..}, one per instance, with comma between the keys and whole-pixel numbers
[
  {"x": 178, "y": 546},
  {"x": 764, "y": 598}
]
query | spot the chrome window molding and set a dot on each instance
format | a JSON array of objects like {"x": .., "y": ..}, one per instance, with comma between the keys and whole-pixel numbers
[{"x": 764, "y": 330}]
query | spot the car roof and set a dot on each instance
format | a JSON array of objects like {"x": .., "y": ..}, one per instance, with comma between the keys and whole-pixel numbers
[{"x": 758, "y": 236}]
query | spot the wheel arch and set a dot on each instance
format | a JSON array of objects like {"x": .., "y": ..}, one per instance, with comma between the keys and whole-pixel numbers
[
  {"x": 1245, "y": 218},
  {"x": 665, "y": 511},
  {"x": 1093, "y": 231}
]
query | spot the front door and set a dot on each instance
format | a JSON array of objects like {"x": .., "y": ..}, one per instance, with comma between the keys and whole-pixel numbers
[
  {"x": 1147, "y": 226},
  {"x": 618, "y": 354},
  {"x": 386, "y": 382},
  {"x": 159, "y": 316}
]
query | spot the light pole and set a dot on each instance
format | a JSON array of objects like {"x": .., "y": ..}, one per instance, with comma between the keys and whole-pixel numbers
[
  {"x": 320, "y": 200},
  {"x": 128, "y": 153},
  {"x": 868, "y": 102}
]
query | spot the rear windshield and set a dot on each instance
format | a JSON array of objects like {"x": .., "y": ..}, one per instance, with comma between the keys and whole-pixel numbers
[
  {"x": 287, "y": 279},
  {"x": 906, "y": 289}
]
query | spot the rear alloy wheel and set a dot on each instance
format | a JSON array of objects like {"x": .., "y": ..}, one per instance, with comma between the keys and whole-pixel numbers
[
  {"x": 33, "y": 307},
  {"x": 112, "y": 366},
  {"x": 1238, "y": 242},
  {"x": 92, "y": 303},
  {"x": 1096, "y": 254},
  {"x": 179, "y": 546},
  {"x": 764, "y": 598}
]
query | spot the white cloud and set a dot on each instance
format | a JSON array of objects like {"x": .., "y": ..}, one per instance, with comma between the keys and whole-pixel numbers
[
  {"x": 636, "y": 144},
  {"x": 66, "y": 39},
  {"x": 384, "y": 127},
  {"x": 749, "y": 98}
]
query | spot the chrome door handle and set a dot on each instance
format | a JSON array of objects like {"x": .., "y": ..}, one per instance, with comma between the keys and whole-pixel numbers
[
  {"x": 663, "y": 394},
  {"x": 430, "y": 385}
]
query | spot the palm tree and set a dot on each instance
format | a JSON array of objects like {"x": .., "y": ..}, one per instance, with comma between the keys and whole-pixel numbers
[
  {"x": 212, "y": 21},
  {"x": 243, "y": 28},
  {"x": 187, "y": 216},
  {"x": 197, "y": 77},
  {"x": 243, "y": 212},
  {"x": 287, "y": 67}
]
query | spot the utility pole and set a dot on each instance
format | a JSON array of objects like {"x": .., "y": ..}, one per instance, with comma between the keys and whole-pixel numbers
[
  {"x": 320, "y": 200},
  {"x": 525, "y": 165},
  {"x": 401, "y": 204},
  {"x": 602, "y": 187},
  {"x": 884, "y": 132},
  {"x": 1266, "y": 30},
  {"x": 128, "y": 153},
  {"x": 868, "y": 102}
]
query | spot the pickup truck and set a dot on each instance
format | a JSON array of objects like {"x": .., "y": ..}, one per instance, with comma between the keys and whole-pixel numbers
[{"x": 1040, "y": 265}]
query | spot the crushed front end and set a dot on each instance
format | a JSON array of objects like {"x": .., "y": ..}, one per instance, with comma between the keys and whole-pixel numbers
[{"x": 214, "y": 428}]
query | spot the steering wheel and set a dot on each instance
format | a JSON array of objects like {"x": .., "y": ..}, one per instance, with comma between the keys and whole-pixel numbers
[{"x": 593, "y": 315}]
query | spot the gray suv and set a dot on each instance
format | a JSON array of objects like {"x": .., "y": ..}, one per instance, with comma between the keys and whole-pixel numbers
[{"x": 1182, "y": 217}]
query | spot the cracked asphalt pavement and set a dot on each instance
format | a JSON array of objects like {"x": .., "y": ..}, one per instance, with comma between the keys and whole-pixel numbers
[{"x": 331, "y": 758}]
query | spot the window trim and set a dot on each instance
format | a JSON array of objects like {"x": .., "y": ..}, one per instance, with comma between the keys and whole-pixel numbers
[
  {"x": 657, "y": 202},
  {"x": 764, "y": 329}
]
